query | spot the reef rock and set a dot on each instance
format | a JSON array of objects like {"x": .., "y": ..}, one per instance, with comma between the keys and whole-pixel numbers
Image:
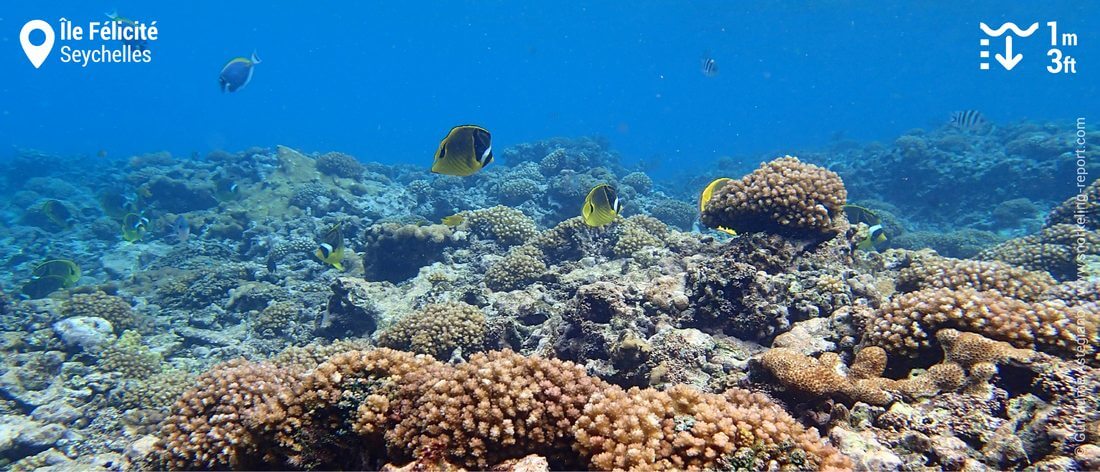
[
  {"x": 351, "y": 309},
  {"x": 84, "y": 332}
]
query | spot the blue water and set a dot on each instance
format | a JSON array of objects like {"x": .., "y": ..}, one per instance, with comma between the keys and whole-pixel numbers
[{"x": 385, "y": 80}]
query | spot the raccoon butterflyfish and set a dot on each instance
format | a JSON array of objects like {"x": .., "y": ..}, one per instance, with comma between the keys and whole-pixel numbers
[
  {"x": 68, "y": 270},
  {"x": 57, "y": 213},
  {"x": 705, "y": 197},
  {"x": 237, "y": 73},
  {"x": 601, "y": 206},
  {"x": 134, "y": 227},
  {"x": 331, "y": 249},
  {"x": 41, "y": 287},
  {"x": 454, "y": 220},
  {"x": 875, "y": 235},
  {"x": 465, "y": 150}
]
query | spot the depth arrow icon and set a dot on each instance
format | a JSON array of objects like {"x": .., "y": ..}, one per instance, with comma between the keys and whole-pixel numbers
[{"x": 1008, "y": 60}]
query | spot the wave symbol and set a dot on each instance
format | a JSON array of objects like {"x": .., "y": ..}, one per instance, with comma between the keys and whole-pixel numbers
[{"x": 1009, "y": 26}]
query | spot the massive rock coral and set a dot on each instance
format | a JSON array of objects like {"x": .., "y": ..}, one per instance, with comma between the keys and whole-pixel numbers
[
  {"x": 396, "y": 252},
  {"x": 785, "y": 197}
]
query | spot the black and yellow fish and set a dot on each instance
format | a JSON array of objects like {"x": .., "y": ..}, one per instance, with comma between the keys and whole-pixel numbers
[
  {"x": 465, "y": 150},
  {"x": 226, "y": 189},
  {"x": 237, "y": 73},
  {"x": 331, "y": 249},
  {"x": 42, "y": 287},
  {"x": 68, "y": 270},
  {"x": 134, "y": 227},
  {"x": 57, "y": 213},
  {"x": 875, "y": 234},
  {"x": 708, "y": 193},
  {"x": 601, "y": 206}
]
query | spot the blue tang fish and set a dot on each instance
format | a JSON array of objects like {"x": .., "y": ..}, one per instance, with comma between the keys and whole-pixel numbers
[{"x": 237, "y": 73}]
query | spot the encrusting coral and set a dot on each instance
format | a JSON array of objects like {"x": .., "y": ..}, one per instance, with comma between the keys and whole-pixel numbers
[
  {"x": 784, "y": 196},
  {"x": 438, "y": 330}
]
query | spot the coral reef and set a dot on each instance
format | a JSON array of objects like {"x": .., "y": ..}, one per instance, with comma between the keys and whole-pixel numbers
[
  {"x": 784, "y": 196},
  {"x": 438, "y": 330},
  {"x": 396, "y": 252}
]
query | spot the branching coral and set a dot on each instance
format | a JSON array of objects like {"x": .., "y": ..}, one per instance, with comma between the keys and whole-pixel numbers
[
  {"x": 521, "y": 266},
  {"x": 361, "y": 408},
  {"x": 905, "y": 326},
  {"x": 438, "y": 330},
  {"x": 1055, "y": 249},
  {"x": 506, "y": 225},
  {"x": 99, "y": 304},
  {"x": 129, "y": 357},
  {"x": 928, "y": 271},
  {"x": 785, "y": 197},
  {"x": 339, "y": 165},
  {"x": 684, "y": 429}
]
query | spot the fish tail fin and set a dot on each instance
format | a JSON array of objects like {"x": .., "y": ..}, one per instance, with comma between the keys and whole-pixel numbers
[
  {"x": 338, "y": 265},
  {"x": 113, "y": 14},
  {"x": 255, "y": 58}
]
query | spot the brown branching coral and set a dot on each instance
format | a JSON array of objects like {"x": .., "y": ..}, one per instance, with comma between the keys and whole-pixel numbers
[
  {"x": 438, "y": 330},
  {"x": 906, "y": 325},
  {"x": 361, "y": 409},
  {"x": 209, "y": 428},
  {"x": 497, "y": 406},
  {"x": 1055, "y": 249},
  {"x": 99, "y": 304},
  {"x": 784, "y": 196},
  {"x": 927, "y": 271},
  {"x": 684, "y": 429}
]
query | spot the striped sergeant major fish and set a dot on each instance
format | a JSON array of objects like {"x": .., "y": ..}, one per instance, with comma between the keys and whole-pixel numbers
[
  {"x": 710, "y": 67},
  {"x": 968, "y": 120}
]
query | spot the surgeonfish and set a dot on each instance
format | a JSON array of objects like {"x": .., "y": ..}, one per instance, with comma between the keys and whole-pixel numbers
[
  {"x": 226, "y": 189},
  {"x": 708, "y": 193},
  {"x": 42, "y": 287},
  {"x": 181, "y": 229},
  {"x": 709, "y": 67},
  {"x": 465, "y": 150},
  {"x": 968, "y": 120},
  {"x": 875, "y": 235},
  {"x": 331, "y": 249},
  {"x": 237, "y": 73},
  {"x": 601, "y": 206},
  {"x": 454, "y": 220}
]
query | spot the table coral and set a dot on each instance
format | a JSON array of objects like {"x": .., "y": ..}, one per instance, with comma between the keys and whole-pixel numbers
[{"x": 784, "y": 196}]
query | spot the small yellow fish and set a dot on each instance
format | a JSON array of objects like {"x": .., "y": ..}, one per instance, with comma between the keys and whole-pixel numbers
[
  {"x": 601, "y": 206},
  {"x": 466, "y": 150},
  {"x": 331, "y": 249},
  {"x": 708, "y": 193},
  {"x": 875, "y": 235},
  {"x": 68, "y": 270},
  {"x": 454, "y": 220}
]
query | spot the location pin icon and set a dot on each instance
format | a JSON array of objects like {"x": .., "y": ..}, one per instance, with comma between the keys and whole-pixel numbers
[{"x": 37, "y": 54}]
